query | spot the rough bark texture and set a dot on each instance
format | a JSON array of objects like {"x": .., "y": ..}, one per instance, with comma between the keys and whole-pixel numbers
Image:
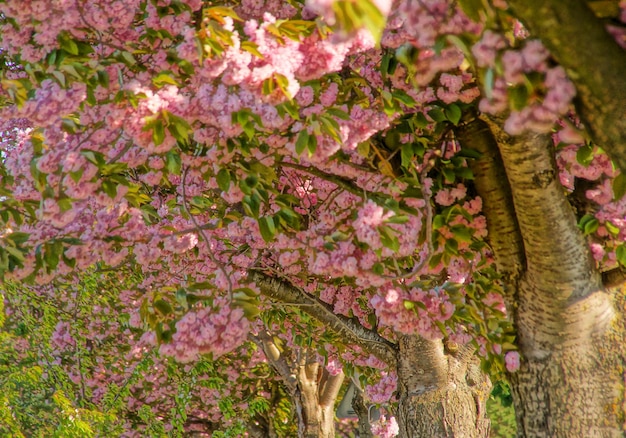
[
  {"x": 570, "y": 381},
  {"x": 440, "y": 395},
  {"x": 593, "y": 61},
  {"x": 362, "y": 411},
  {"x": 493, "y": 187}
]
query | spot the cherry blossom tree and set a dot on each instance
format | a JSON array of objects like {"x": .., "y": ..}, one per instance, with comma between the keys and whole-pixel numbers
[{"x": 428, "y": 192}]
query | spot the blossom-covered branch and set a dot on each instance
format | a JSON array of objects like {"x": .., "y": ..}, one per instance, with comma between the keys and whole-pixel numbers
[{"x": 353, "y": 332}]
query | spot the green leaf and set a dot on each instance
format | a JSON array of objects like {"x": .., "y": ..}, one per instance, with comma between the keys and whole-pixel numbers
[
  {"x": 620, "y": 254},
  {"x": 178, "y": 127},
  {"x": 611, "y": 228},
  {"x": 584, "y": 155},
  {"x": 518, "y": 97},
  {"x": 163, "y": 307},
  {"x": 388, "y": 238},
  {"x": 18, "y": 237},
  {"x": 158, "y": 132},
  {"x": 462, "y": 234},
  {"x": 340, "y": 114},
  {"x": 302, "y": 141},
  {"x": 408, "y": 305},
  {"x": 472, "y": 8},
  {"x": 223, "y": 180},
  {"x": 127, "y": 58},
  {"x": 619, "y": 186},
  {"x": 283, "y": 84},
  {"x": 452, "y": 246},
  {"x": 469, "y": 153},
  {"x": 173, "y": 163},
  {"x": 164, "y": 78},
  {"x": 312, "y": 145},
  {"x": 251, "y": 47},
  {"x": 372, "y": 17},
  {"x": 398, "y": 219},
  {"x": 406, "y": 154},
  {"x": 449, "y": 174},
  {"x": 488, "y": 82},
  {"x": 110, "y": 188},
  {"x": 437, "y": 115},
  {"x": 453, "y": 113},
  {"x": 588, "y": 224},
  {"x": 435, "y": 260},
  {"x": 70, "y": 45},
  {"x": 402, "y": 97},
  {"x": 267, "y": 228},
  {"x": 438, "y": 222}
]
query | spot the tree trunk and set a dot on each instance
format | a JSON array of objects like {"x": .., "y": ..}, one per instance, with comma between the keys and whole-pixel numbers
[
  {"x": 571, "y": 381},
  {"x": 312, "y": 389},
  {"x": 314, "y": 399},
  {"x": 440, "y": 394}
]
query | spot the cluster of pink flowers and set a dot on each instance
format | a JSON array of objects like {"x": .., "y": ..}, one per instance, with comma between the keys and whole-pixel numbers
[
  {"x": 392, "y": 310},
  {"x": 457, "y": 87},
  {"x": 39, "y": 23},
  {"x": 369, "y": 218},
  {"x": 208, "y": 330},
  {"x": 51, "y": 102},
  {"x": 543, "y": 104},
  {"x": 610, "y": 212},
  {"x": 382, "y": 391},
  {"x": 62, "y": 338},
  {"x": 512, "y": 361},
  {"x": 446, "y": 197},
  {"x": 385, "y": 427},
  {"x": 425, "y": 21},
  {"x": 324, "y": 8}
]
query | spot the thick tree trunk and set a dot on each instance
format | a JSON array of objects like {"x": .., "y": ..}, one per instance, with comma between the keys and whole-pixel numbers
[
  {"x": 440, "y": 394},
  {"x": 571, "y": 379}
]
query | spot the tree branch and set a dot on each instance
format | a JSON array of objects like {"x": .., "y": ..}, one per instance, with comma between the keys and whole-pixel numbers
[
  {"x": 557, "y": 254},
  {"x": 613, "y": 278},
  {"x": 329, "y": 387},
  {"x": 341, "y": 182},
  {"x": 278, "y": 361},
  {"x": 370, "y": 341},
  {"x": 493, "y": 187},
  {"x": 593, "y": 61}
]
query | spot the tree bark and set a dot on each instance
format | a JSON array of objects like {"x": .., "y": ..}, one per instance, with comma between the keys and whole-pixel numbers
[
  {"x": 313, "y": 390},
  {"x": 570, "y": 382},
  {"x": 440, "y": 394},
  {"x": 314, "y": 398}
]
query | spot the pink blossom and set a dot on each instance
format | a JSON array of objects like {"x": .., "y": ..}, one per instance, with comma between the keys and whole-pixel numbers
[{"x": 512, "y": 361}]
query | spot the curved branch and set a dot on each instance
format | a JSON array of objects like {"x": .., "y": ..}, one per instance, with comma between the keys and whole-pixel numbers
[
  {"x": 370, "y": 341},
  {"x": 274, "y": 356},
  {"x": 593, "y": 61},
  {"x": 329, "y": 387},
  {"x": 557, "y": 254},
  {"x": 493, "y": 187},
  {"x": 341, "y": 182}
]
